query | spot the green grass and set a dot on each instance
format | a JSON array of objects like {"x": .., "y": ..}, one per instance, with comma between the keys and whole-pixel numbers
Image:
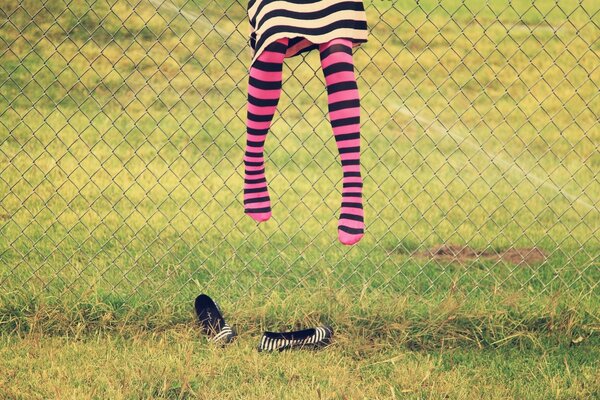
[
  {"x": 177, "y": 364},
  {"x": 385, "y": 346},
  {"x": 121, "y": 138}
]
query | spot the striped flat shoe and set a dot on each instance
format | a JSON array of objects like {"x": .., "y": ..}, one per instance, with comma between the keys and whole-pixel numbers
[
  {"x": 212, "y": 321},
  {"x": 308, "y": 339}
]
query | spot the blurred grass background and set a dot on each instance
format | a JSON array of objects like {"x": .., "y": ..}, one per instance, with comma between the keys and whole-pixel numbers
[{"x": 121, "y": 140}]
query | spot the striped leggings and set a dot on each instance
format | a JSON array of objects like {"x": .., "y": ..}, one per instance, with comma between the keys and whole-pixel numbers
[{"x": 264, "y": 90}]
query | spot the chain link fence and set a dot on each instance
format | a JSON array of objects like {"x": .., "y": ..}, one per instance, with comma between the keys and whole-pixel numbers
[{"x": 122, "y": 126}]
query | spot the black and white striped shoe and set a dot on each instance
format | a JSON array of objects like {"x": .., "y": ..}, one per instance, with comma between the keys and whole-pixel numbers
[
  {"x": 308, "y": 338},
  {"x": 212, "y": 321}
]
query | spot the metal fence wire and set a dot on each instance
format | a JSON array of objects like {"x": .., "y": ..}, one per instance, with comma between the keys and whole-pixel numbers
[{"x": 122, "y": 127}]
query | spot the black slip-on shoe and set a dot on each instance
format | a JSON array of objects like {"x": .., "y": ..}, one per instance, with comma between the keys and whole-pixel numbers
[
  {"x": 312, "y": 338},
  {"x": 212, "y": 321}
]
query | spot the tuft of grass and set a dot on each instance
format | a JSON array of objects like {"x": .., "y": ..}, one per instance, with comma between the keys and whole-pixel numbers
[{"x": 447, "y": 321}]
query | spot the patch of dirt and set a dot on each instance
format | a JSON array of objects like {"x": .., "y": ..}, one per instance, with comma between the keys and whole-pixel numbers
[{"x": 465, "y": 254}]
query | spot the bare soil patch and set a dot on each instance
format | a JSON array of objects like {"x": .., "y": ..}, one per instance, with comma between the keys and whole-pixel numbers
[{"x": 465, "y": 254}]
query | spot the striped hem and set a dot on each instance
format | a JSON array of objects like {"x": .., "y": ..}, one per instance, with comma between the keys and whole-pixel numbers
[{"x": 310, "y": 42}]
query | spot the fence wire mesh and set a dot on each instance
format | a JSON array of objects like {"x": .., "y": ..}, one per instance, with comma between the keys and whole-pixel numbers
[{"x": 122, "y": 126}]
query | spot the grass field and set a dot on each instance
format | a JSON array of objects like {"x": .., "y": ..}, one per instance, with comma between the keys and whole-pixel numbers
[{"x": 121, "y": 137}]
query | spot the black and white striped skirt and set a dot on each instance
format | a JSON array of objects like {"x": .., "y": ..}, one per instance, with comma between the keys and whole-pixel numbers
[{"x": 306, "y": 23}]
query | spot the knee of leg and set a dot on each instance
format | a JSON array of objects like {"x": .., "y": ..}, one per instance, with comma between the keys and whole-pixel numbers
[{"x": 339, "y": 45}]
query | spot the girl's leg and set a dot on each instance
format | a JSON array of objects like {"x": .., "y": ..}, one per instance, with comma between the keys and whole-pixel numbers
[
  {"x": 264, "y": 89},
  {"x": 344, "y": 115}
]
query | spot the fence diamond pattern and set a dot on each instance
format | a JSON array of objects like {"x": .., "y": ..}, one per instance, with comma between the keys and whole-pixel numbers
[{"x": 122, "y": 129}]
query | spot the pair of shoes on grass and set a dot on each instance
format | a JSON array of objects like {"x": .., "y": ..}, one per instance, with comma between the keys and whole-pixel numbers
[{"x": 212, "y": 322}]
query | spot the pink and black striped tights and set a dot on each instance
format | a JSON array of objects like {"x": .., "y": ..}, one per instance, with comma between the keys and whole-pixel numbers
[{"x": 264, "y": 90}]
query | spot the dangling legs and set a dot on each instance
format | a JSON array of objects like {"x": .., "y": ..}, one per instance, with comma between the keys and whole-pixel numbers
[
  {"x": 344, "y": 114},
  {"x": 264, "y": 89}
]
